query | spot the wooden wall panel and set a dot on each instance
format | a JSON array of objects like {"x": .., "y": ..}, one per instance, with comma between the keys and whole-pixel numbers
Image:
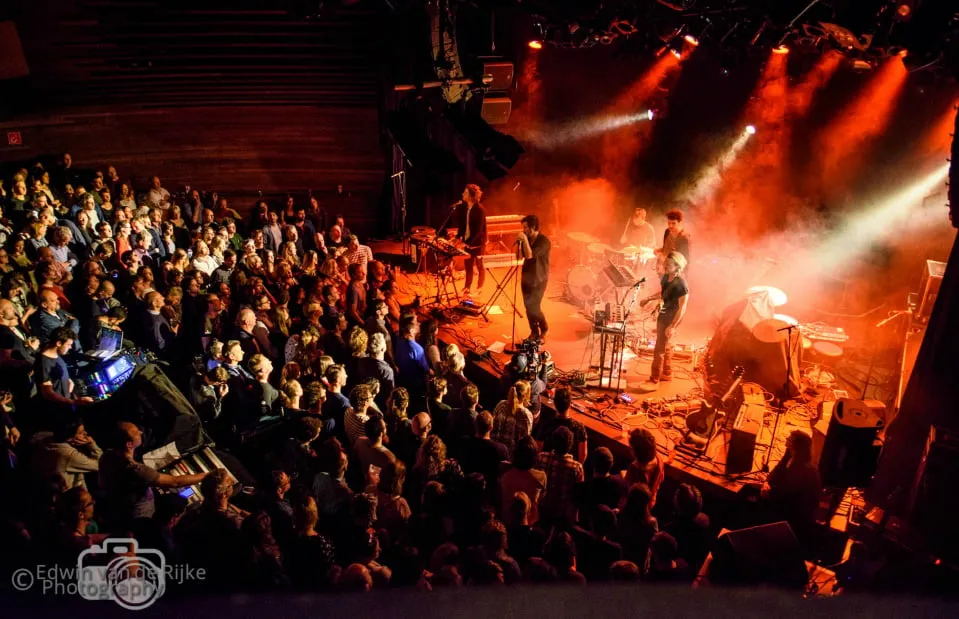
[{"x": 238, "y": 151}]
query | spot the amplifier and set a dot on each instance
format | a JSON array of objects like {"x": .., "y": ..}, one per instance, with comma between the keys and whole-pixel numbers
[
  {"x": 746, "y": 426},
  {"x": 929, "y": 289}
]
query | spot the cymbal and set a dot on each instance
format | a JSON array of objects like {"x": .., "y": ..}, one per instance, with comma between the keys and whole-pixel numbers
[
  {"x": 598, "y": 248},
  {"x": 421, "y": 237},
  {"x": 776, "y": 296},
  {"x": 422, "y": 230},
  {"x": 582, "y": 237},
  {"x": 768, "y": 330}
]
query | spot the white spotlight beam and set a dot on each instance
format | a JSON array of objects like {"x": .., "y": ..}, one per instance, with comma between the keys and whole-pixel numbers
[
  {"x": 711, "y": 176},
  {"x": 879, "y": 220},
  {"x": 580, "y": 129}
]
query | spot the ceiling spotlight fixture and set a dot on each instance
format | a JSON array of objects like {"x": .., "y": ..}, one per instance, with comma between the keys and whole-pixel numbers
[
  {"x": 649, "y": 114},
  {"x": 751, "y": 129},
  {"x": 535, "y": 44},
  {"x": 781, "y": 50},
  {"x": 691, "y": 39},
  {"x": 676, "y": 48}
]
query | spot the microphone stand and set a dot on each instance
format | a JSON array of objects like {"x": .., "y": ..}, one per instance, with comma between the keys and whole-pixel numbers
[
  {"x": 512, "y": 336},
  {"x": 782, "y": 402}
]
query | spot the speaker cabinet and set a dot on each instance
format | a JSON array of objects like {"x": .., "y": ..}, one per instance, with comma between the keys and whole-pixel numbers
[
  {"x": 767, "y": 554},
  {"x": 499, "y": 75},
  {"x": 929, "y": 289},
  {"x": 496, "y": 110},
  {"x": 850, "y": 449}
]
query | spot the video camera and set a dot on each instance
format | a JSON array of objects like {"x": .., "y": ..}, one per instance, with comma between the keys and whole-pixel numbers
[{"x": 529, "y": 362}]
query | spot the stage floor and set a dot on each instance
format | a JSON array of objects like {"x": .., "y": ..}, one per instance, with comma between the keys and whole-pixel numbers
[{"x": 571, "y": 345}]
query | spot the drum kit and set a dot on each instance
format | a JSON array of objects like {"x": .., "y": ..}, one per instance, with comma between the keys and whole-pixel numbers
[
  {"x": 819, "y": 341},
  {"x": 586, "y": 282}
]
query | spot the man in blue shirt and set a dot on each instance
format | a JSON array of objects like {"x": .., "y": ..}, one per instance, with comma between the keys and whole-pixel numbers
[{"x": 411, "y": 358}]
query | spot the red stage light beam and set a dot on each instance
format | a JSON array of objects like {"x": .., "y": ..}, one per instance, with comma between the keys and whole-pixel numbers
[
  {"x": 801, "y": 96},
  {"x": 843, "y": 140}
]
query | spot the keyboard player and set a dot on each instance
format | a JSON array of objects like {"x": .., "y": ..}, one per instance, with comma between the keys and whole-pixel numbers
[{"x": 127, "y": 485}]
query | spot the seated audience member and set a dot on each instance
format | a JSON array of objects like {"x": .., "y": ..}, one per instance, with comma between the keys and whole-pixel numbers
[
  {"x": 690, "y": 526},
  {"x": 522, "y": 477},
  {"x": 562, "y": 400},
  {"x": 463, "y": 424},
  {"x": 480, "y": 454},
  {"x": 158, "y": 335},
  {"x": 309, "y": 557},
  {"x": 563, "y": 473},
  {"x": 76, "y": 529},
  {"x": 433, "y": 465},
  {"x": 207, "y": 393},
  {"x": 665, "y": 564},
  {"x": 440, "y": 413},
  {"x": 49, "y": 317},
  {"x": 69, "y": 452},
  {"x": 624, "y": 571},
  {"x": 329, "y": 486},
  {"x": 602, "y": 488},
  {"x": 375, "y": 366},
  {"x": 369, "y": 449},
  {"x": 635, "y": 524},
  {"x": 456, "y": 381},
  {"x": 406, "y": 445},
  {"x": 525, "y": 541},
  {"x": 263, "y": 393},
  {"x": 392, "y": 510},
  {"x": 647, "y": 467},
  {"x": 336, "y": 404},
  {"x": 560, "y": 551},
  {"x": 127, "y": 485},
  {"x": 792, "y": 490},
  {"x": 595, "y": 549},
  {"x": 276, "y": 503},
  {"x": 361, "y": 398},
  {"x": 411, "y": 359},
  {"x": 495, "y": 538},
  {"x": 51, "y": 375},
  {"x": 298, "y": 456},
  {"x": 512, "y": 420}
]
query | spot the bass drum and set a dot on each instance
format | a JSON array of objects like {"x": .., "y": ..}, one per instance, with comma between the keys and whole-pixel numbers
[{"x": 582, "y": 284}]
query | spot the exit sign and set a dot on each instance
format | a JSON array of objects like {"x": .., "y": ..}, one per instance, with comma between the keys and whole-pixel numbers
[{"x": 14, "y": 138}]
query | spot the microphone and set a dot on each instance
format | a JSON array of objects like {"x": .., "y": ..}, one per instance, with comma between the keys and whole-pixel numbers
[
  {"x": 888, "y": 319},
  {"x": 641, "y": 281},
  {"x": 400, "y": 173},
  {"x": 457, "y": 203}
]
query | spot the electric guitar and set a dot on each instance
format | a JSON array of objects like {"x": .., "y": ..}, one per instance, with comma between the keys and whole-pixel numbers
[{"x": 701, "y": 425}]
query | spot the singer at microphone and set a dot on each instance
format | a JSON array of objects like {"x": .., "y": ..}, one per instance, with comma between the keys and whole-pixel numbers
[{"x": 674, "y": 298}]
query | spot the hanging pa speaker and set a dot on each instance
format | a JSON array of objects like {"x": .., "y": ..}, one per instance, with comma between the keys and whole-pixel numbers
[{"x": 496, "y": 110}]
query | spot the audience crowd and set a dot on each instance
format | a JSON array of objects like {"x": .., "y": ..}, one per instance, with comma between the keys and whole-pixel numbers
[{"x": 389, "y": 472}]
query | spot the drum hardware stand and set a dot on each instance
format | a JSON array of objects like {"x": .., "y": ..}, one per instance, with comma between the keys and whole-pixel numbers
[{"x": 782, "y": 403}]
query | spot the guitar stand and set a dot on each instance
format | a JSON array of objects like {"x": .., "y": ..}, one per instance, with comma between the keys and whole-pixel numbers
[{"x": 501, "y": 290}]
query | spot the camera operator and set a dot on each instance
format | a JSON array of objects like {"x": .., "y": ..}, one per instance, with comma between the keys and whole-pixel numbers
[{"x": 527, "y": 364}]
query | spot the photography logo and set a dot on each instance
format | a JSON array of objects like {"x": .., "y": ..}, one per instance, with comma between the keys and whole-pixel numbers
[{"x": 121, "y": 571}]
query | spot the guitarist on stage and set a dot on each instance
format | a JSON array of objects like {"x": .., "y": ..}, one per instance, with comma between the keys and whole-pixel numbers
[
  {"x": 470, "y": 222},
  {"x": 673, "y": 297}
]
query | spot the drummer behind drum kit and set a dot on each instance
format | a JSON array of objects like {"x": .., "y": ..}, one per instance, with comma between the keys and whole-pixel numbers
[{"x": 589, "y": 283}]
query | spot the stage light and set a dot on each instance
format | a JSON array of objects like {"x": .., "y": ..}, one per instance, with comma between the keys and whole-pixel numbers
[
  {"x": 691, "y": 39},
  {"x": 649, "y": 114},
  {"x": 535, "y": 44},
  {"x": 751, "y": 129},
  {"x": 782, "y": 50}
]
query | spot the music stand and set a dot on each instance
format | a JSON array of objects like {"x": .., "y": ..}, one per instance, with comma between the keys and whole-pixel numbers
[{"x": 501, "y": 285}]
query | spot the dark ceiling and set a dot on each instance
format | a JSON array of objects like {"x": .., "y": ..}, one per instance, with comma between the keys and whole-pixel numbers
[{"x": 168, "y": 53}]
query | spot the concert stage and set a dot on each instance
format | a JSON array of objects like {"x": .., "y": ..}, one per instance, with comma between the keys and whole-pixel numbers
[{"x": 571, "y": 345}]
